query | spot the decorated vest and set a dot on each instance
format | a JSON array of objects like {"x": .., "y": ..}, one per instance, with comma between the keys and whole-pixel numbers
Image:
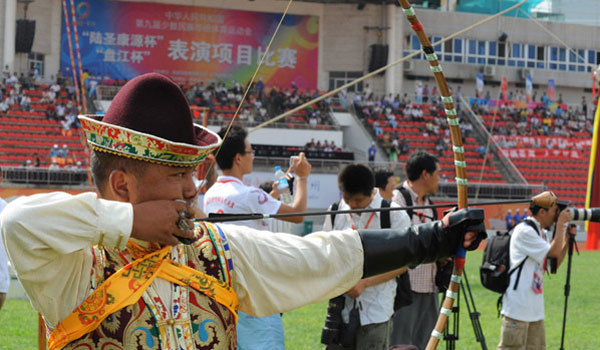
[{"x": 195, "y": 321}]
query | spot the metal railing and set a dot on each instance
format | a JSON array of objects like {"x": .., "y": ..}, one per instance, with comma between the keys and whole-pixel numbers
[
  {"x": 491, "y": 191},
  {"x": 44, "y": 176}
]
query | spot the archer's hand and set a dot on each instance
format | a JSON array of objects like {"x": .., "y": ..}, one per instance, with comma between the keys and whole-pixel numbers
[
  {"x": 156, "y": 221},
  {"x": 469, "y": 222}
]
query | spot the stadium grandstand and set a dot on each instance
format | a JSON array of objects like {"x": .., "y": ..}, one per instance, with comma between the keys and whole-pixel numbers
[{"x": 507, "y": 138}]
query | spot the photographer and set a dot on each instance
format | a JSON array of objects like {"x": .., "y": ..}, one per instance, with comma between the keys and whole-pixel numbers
[
  {"x": 523, "y": 302},
  {"x": 369, "y": 305}
]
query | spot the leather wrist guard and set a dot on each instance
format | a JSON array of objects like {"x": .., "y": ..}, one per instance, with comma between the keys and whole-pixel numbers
[{"x": 390, "y": 249}]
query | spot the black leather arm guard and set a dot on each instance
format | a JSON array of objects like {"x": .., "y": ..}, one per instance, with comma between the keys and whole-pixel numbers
[{"x": 386, "y": 250}]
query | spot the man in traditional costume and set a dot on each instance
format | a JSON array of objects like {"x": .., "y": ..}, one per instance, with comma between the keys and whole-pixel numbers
[{"x": 108, "y": 270}]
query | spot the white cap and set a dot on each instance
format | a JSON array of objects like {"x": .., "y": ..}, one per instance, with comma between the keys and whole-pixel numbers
[{"x": 510, "y": 210}]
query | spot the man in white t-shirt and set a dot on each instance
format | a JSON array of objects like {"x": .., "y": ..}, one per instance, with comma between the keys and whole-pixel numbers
[
  {"x": 373, "y": 297},
  {"x": 523, "y": 306},
  {"x": 231, "y": 196}
]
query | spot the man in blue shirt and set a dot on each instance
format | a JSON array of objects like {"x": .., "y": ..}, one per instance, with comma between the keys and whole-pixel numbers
[
  {"x": 509, "y": 218},
  {"x": 518, "y": 216},
  {"x": 372, "y": 152}
]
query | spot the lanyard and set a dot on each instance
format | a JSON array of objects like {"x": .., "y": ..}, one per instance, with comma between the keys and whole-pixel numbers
[{"x": 368, "y": 222}]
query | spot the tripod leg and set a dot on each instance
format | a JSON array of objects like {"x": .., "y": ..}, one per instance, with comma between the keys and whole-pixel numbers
[
  {"x": 567, "y": 290},
  {"x": 473, "y": 315}
]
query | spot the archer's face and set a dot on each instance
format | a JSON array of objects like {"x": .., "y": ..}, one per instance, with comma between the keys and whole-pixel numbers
[{"x": 163, "y": 182}]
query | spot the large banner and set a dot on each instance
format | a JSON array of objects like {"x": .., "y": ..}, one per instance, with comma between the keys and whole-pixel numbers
[
  {"x": 550, "y": 142},
  {"x": 191, "y": 43},
  {"x": 541, "y": 153}
]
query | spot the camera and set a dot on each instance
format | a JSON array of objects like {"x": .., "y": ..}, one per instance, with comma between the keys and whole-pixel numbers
[{"x": 333, "y": 322}]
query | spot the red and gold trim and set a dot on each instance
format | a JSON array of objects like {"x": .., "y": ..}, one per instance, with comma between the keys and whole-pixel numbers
[{"x": 133, "y": 144}]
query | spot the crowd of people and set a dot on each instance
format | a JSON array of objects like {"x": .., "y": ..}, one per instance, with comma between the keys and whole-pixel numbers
[
  {"x": 262, "y": 103},
  {"x": 384, "y": 114},
  {"x": 55, "y": 97},
  {"x": 545, "y": 118}
]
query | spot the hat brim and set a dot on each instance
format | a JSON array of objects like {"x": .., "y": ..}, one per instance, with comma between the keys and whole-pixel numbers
[{"x": 129, "y": 143}]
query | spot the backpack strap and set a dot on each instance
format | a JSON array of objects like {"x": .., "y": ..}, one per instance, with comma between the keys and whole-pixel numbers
[
  {"x": 409, "y": 203},
  {"x": 434, "y": 210},
  {"x": 334, "y": 207},
  {"x": 520, "y": 266},
  {"x": 385, "y": 221},
  {"x": 407, "y": 200}
]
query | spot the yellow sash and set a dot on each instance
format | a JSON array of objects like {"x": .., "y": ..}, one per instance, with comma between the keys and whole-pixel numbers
[{"x": 127, "y": 286}]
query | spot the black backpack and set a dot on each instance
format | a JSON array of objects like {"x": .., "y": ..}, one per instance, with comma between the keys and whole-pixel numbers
[
  {"x": 403, "y": 291},
  {"x": 495, "y": 269}
]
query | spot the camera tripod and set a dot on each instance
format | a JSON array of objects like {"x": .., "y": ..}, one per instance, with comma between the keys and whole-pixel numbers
[
  {"x": 451, "y": 335},
  {"x": 567, "y": 288}
]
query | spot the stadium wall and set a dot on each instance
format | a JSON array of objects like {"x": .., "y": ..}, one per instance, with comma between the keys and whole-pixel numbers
[{"x": 345, "y": 36}]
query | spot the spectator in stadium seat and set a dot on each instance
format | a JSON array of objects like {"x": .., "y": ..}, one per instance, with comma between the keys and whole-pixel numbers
[
  {"x": 404, "y": 146},
  {"x": 36, "y": 160},
  {"x": 229, "y": 195},
  {"x": 13, "y": 80},
  {"x": 419, "y": 92},
  {"x": 4, "y": 105},
  {"x": 425, "y": 93},
  {"x": 6, "y": 72},
  {"x": 92, "y": 86},
  {"x": 55, "y": 153},
  {"x": 372, "y": 151}
]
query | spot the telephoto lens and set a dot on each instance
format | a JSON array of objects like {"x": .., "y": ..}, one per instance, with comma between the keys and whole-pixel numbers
[{"x": 333, "y": 321}]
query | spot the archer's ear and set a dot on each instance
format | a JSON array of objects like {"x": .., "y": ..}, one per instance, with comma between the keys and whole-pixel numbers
[{"x": 119, "y": 186}]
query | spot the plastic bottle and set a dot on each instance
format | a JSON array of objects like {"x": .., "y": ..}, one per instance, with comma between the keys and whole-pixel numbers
[{"x": 282, "y": 186}]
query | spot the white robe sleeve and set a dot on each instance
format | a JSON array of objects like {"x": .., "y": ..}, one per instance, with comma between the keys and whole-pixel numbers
[
  {"x": 47, "y": 238},
  {"x": 277, "y": 272}
]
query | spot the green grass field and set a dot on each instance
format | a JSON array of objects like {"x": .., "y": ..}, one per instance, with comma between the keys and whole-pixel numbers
[{"x": 18, "y": 321}]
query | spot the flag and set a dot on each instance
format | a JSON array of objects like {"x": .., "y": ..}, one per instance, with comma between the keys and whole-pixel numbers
[
  {"x": 528, "y": 86},
  {"x": 504, "y": 87},
  {"x": 592, "y": 199},
  {"x": 551, "y": 90},
  {"x": 594, "y": 85},
  {"x": 479, "y": 84}
]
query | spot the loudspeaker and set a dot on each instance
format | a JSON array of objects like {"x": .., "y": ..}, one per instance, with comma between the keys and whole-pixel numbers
[
  {"x": 379, "y": 56},
  {"x": 502, "y": 37},
  {"x": 25, "y": 35}
]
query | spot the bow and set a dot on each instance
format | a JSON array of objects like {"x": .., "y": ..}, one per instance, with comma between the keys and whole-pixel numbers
[{"x": 459, "y": 162}]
